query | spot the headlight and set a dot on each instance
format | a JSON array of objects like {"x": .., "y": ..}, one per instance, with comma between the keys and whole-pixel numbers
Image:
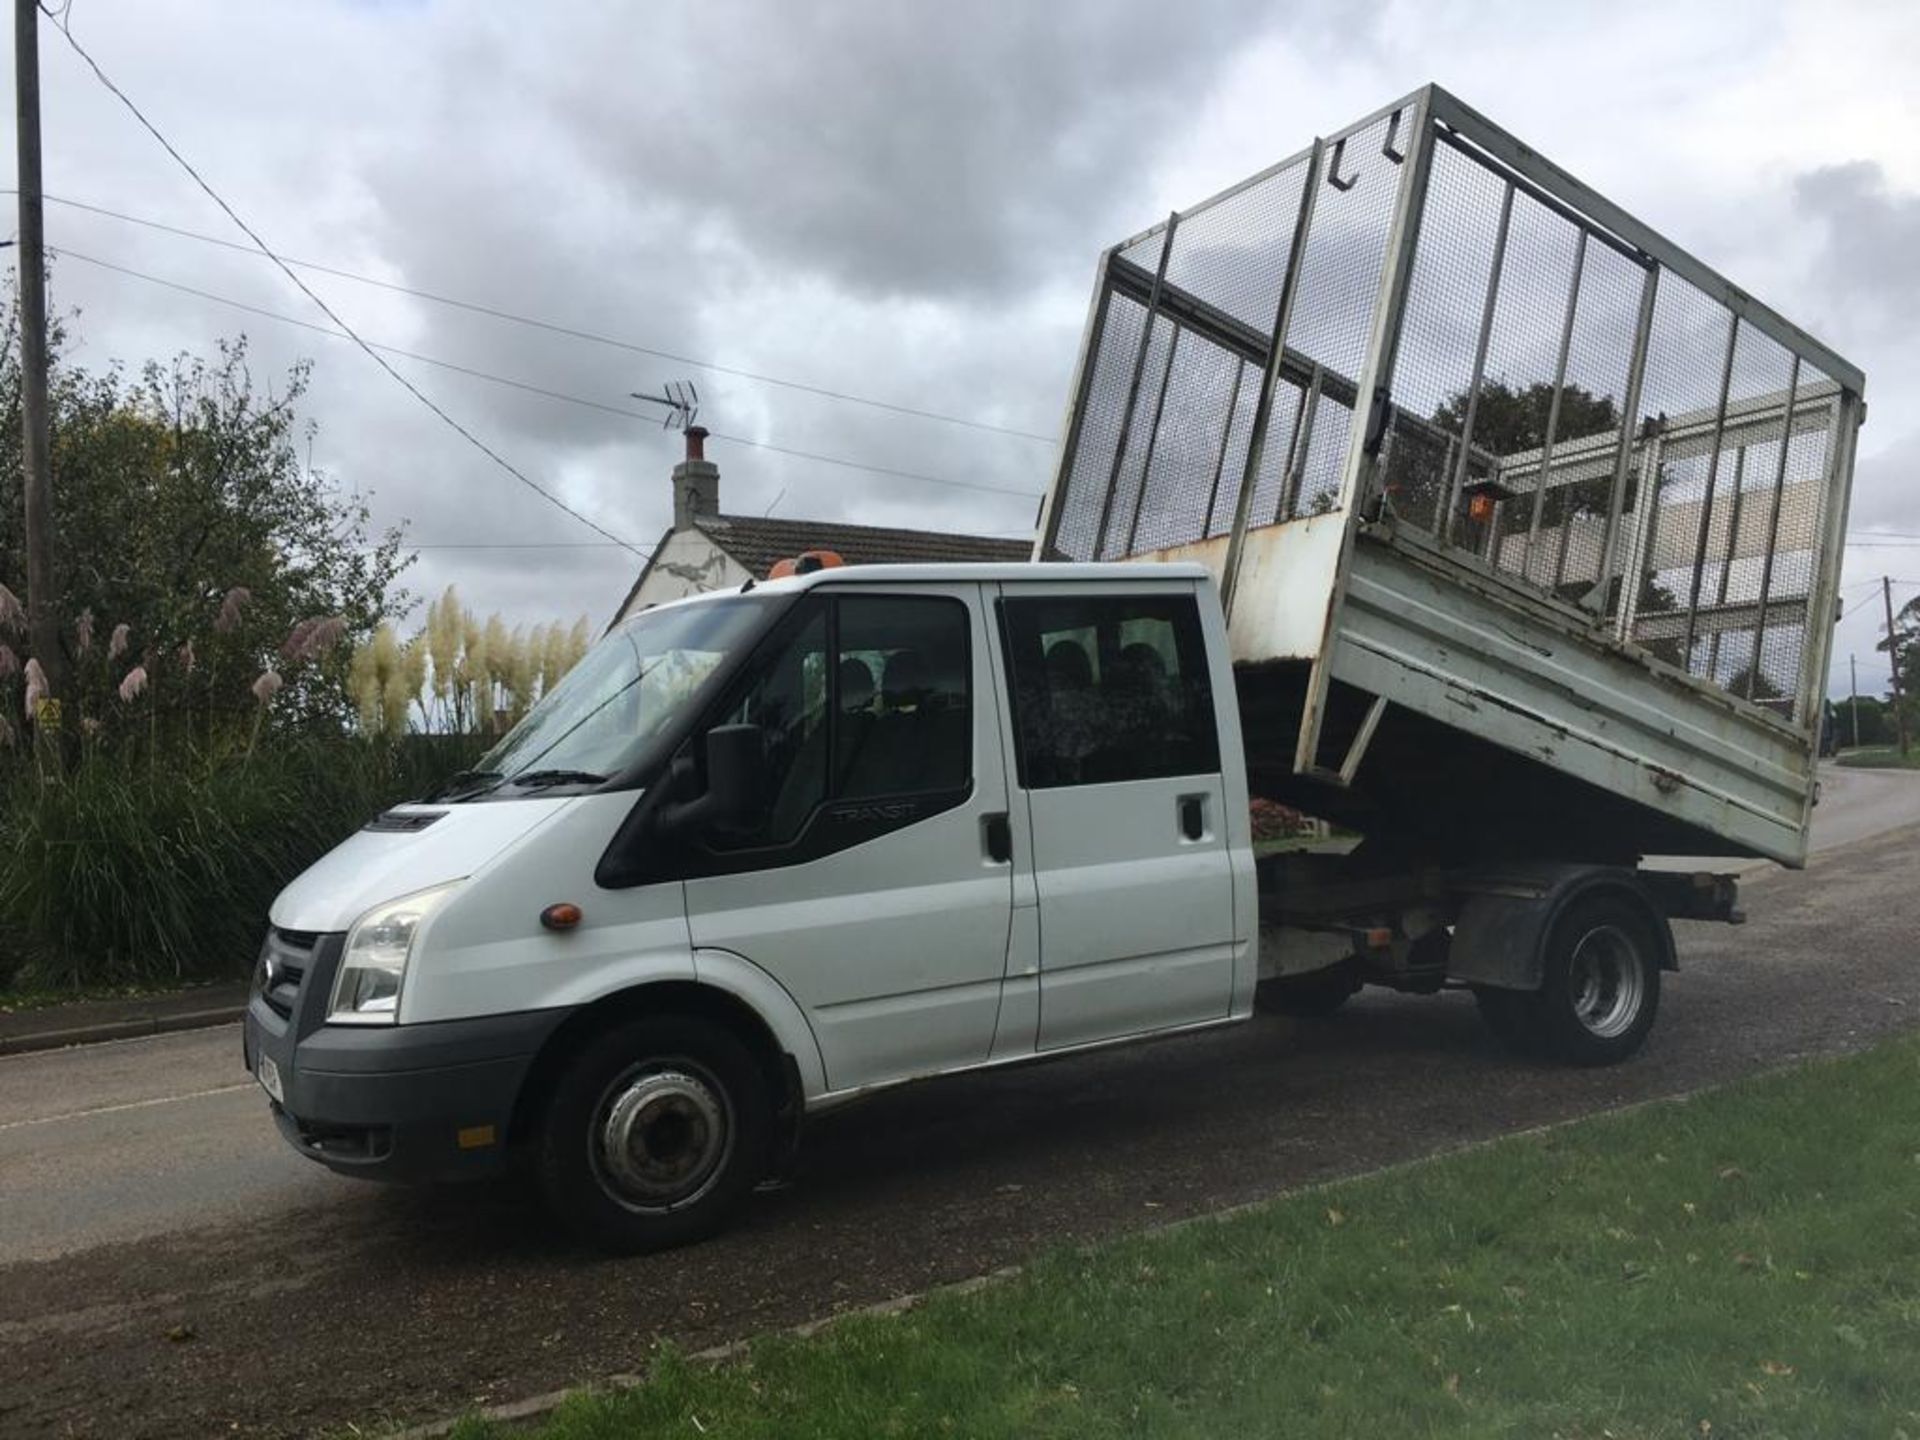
[{"x": 367, "y": 989}]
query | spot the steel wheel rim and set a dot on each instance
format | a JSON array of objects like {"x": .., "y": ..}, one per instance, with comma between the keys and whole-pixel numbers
[
  {"x": 1606, "y": 981},
  {"x": 661, "y": 1137}
]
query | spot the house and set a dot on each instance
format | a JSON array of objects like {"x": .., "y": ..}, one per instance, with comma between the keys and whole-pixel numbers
[{"x": 709, "y": 550}]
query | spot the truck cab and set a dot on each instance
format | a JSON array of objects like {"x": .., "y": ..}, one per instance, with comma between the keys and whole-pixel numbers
[{"x": 760, "y": 853}]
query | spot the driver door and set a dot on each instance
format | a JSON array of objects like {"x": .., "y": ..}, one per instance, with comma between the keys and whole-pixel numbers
[{"x": 866, "y": 884}]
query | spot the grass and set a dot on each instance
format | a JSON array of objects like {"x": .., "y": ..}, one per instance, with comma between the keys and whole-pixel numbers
[
  {"x": 1879, "y": 757},
  {"x": 1744, "y": 1264}
]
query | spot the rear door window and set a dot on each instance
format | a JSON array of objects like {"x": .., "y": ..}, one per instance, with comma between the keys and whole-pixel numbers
[{"x": 1108, "y": 688}]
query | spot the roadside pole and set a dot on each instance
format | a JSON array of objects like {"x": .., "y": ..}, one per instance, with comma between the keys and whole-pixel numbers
[
  {"x": 1893, "y": 658},
  {"x": 1853, "y": 673},
  {"x": 43, "y": 620}
]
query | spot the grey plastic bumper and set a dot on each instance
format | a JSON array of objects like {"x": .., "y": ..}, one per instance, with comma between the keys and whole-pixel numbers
[{"x": 400, "y": 1102}]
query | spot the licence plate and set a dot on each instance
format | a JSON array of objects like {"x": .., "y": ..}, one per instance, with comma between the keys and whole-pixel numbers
[{"x": 269, "y": 1077}]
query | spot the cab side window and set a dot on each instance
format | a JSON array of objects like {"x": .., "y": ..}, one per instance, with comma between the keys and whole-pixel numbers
[
  {"x": 1109, "y": 688},
  {"x": 904, "y": 710},
  {"x": 869, "y": 699}
]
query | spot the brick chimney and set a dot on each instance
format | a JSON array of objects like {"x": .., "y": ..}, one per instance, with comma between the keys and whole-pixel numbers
[{"x": 696, "y": 482}]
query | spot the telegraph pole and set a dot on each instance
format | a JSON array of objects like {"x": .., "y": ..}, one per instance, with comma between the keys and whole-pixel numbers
[
  {"x": 1853, "y": 673},
  {"x": 35, "y": 452},
  {"x": 1893, "y": 655}
]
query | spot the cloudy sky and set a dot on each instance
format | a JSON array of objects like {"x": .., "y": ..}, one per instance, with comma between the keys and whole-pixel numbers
[{"x": 897, "y": 201}]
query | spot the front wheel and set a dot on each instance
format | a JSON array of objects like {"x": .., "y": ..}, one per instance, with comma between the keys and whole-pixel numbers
[
  {"x": 654, "y": 1134},
  {"x": 1599, "y": 991}
]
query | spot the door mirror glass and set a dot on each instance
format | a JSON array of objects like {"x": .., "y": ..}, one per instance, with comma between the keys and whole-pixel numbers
[{"x": 736, "y": 774}]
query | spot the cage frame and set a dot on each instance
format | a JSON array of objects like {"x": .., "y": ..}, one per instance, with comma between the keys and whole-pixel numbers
[{"x": 1422, "y": 121}]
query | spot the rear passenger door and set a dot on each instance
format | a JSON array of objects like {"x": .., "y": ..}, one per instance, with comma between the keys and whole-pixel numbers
[{"x": 1118, "y": 765}]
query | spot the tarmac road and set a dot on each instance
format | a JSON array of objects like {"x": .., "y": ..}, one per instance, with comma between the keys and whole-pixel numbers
[{"x": 167, "y": 1267}]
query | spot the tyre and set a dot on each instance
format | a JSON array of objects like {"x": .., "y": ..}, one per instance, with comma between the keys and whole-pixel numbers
[
  {"x": 1308, "y": 997},
  {"x": 1599, "y": 990},
  {"x": 654, "y": 1135}
]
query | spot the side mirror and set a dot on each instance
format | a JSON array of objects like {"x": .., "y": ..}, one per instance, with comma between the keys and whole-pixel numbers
[
  {"x": 736, "y": 781},
  {"x": 736, "y": 772}
]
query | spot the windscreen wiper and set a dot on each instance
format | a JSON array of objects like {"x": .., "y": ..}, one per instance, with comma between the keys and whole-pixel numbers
[
  {"x": 538, "y": 778},
  {"x": 463, "y": 782}
]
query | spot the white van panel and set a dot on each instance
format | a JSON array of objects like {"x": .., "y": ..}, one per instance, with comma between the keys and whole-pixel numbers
[
  {"x": 486, "y": 952},
  {"x": 371, "y": 867},
  {"x": 1136, "y": 921}
]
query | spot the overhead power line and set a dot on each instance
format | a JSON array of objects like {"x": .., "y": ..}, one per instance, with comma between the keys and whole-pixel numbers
[
  {"x": 373, "y": 354},
  {"x": 570, "y": 331},
  {"x": 528, "y": 387},
  {"x": 600, "y": 544}
]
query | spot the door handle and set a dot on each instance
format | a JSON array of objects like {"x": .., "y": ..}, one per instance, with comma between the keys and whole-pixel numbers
[
  {"x": 1192, "y": 816},
  {"x": 996, "y": 834}
]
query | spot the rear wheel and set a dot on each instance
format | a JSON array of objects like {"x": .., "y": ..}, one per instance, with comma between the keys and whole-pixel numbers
[
  {"x": 655, "y": 1134},
  {"x": 1599, "y": 991}
]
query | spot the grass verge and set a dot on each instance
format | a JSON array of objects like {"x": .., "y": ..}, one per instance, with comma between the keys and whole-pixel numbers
[
  {"x": 1878, "y": 757},
  {"x": 1746, "y": 1263},
  {"x": 13, "y": 1002}
]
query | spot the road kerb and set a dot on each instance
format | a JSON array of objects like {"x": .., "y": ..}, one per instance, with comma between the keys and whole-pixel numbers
[{"x": 134, "y": 1028}]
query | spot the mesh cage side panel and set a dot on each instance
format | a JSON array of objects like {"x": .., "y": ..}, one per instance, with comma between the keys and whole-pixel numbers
[
  {"x": 1686, "y": 353},
  {"x": 1325, "y": 459},
  {"x": 1140, "y": 436},
  {"x": 1102, "y": 415},
  {"x": 1798, "y": 495},
  {"x": 1194, "y": 417},
  {"x": 1234, "y": 462},
  {"x": 1339, "y": 283},
  {"x": 1283, "y": 433},
  {"x": 1232, "y": 252},
  {"x": 1145, "y": 252},
  {"x": 1433, "y": 369},
  {"x": 1728, "y": 554},
  {"x": 1564, "y": 552}
]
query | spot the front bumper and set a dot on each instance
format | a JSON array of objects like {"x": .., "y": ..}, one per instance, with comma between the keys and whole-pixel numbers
[{"x": 387, "y": 1102}]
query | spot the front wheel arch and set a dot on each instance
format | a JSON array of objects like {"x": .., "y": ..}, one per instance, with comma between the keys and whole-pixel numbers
[{"x": 659, "y": 998}]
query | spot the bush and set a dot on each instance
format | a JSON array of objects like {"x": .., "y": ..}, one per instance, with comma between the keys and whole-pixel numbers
[{"x": 123, "y": 871}]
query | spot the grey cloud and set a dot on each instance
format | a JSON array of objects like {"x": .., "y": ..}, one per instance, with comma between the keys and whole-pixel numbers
[
  {"x": 1871, "y": 237},
  {"x": 894, "y": 149}
]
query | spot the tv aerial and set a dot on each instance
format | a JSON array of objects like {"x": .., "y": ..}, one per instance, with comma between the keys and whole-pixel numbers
[{"x": 679, "y": 399}]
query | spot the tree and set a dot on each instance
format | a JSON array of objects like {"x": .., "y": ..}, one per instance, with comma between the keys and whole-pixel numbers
[
  {"x": 1510, "y": 420},
  {"x": 194, "y": 539},
  {"x": 1906, "y": 631},
  {"x": 1507, "y": 420},
  {"x": 1876, "y": 721}
]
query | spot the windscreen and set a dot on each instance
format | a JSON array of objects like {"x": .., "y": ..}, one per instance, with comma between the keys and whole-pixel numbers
[{"x": 627, "y": 690}]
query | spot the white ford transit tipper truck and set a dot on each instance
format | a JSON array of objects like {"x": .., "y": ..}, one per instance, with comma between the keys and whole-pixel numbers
[{"x": 1409, "y": 483}]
